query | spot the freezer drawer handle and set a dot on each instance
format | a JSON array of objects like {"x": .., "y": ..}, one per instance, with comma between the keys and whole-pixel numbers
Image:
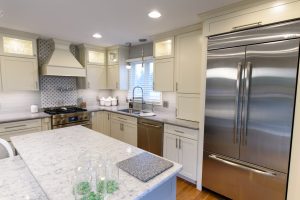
[
  {"x": 178, "y": 131},
  {"x": 267, "y": 173}
]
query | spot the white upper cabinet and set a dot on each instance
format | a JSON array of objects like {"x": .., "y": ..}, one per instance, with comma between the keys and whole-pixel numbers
[
  {"x": 96, "y": 77},
  {"x": 163, "y": 48},
  {"x": 96, "y": 57},
  {"x": 94, "y": 60},
  {"x": 262, "y": 14},
  {"x": 18, "y": 73},
  {"x": 117, "y": 74},
  {"x": 164, "y": 75},
  {"x": 11, "y": 45},
  {"x": 18, "y": 63},
  {"x": 188, "y": 62}
]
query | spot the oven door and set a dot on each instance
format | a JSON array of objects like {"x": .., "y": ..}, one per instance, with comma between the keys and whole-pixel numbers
[{"x": 86, "y": 124}]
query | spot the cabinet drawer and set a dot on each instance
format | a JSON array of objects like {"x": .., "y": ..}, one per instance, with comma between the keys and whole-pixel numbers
[
  {"x": 260, "y": 15},
  {"x": 124, "y": 118},
  {"x": 181, "y": 131},
  {"x": 7, "y": 135},
  {"x": 20, "y": 125}
]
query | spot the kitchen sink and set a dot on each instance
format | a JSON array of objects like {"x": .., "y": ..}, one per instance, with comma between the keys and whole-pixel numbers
[{"x": 132, "y": 111}]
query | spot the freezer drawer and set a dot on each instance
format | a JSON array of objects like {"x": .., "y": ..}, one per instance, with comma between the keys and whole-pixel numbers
[{"x": 232, "y": 179}]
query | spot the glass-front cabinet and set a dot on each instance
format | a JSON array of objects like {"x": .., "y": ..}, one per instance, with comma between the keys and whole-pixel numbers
[
  {"x": 96, "y": 57},
  {"x": 11, "y": 45},
  {"x": 163, "y": 48},
  {"x": 113, "y": 56}
]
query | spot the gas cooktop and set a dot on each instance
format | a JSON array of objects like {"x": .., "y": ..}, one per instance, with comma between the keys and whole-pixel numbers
[{"x": 63, "y": 110}]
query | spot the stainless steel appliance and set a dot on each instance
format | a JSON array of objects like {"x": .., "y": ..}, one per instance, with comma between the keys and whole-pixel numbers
[
  {"x": 69, "y": 116},
  {"x": 250, "y": 95},
  {"x": 150, "y": 136}
]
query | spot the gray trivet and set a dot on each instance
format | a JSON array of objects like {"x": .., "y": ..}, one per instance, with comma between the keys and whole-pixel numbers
[{"x": 145, "y": 166}]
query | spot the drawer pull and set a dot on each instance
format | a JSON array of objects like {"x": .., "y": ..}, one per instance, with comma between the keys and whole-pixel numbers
[
  {"x": 178, "y": 131},
  {"x": 247, "y": 25},
  {"x": 17, "y": 126},
  {"x": 122, "y": 118}
]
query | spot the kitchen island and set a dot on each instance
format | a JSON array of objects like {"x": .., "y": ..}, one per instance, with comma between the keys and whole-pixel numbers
[{"x": 52, "y": 156}]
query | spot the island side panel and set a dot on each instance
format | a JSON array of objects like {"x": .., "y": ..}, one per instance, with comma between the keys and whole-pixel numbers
[{"x": 167, "y": 191}]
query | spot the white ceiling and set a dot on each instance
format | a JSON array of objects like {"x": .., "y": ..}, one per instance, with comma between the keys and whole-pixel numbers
[{"x": 119, "y": 21}]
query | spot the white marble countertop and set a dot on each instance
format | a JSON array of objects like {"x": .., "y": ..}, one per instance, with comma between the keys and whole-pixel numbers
[
  {"x": 19, "y": 116},
  {"x": 52, "y": 157},
  {"x": 16, "y": 181},
  {"x": 161, "y": 116}
]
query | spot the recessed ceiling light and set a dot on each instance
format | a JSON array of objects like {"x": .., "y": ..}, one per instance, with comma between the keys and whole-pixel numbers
[
  {"x": 97, "y": 36},
  {"x": 154, "y": 14}
]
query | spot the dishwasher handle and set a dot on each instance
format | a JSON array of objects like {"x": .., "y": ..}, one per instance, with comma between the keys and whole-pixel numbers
[{"x": 151, "y": 125}]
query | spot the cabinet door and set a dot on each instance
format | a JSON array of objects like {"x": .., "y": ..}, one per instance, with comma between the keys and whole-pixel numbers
[
  {"x": 164, "y": 48},
  {"x": 113, "y": 57},
  {"x": 171, "y": 147},
  {"x": 164, "y": 75},
  {"x": 188, "y": 62},
  {"x": 116, "y": 129},
  {"x": 188, "y": 106},
  {"x": 17, "y": 46},
  {"x": 252, "y": 17},
  {"x": 188, "y": 157},
  {"x": 129, "y": 133},
  {"x": 19, "y": 73},
  {"x": 113, "y": 77},
  {"x": 105, "y": 123},
  {"x": 96, "y": 77},
  {"x": 96, "y": 57}
]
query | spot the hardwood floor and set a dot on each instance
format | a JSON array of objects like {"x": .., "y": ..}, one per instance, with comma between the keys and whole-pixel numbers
[{"x": 188, "y": 191}]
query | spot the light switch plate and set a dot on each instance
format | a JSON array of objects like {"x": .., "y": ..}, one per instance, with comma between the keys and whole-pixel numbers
[{"x": 165, "y": 104}]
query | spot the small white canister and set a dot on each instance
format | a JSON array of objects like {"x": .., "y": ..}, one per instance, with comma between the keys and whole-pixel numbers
[
  {"x": 34, "y": 108},
  {"x": 102, "y": 101},
  {"x": 114, "y": 101}
]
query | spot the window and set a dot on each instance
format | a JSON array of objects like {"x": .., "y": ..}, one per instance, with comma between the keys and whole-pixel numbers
[{"x": 143, "y": 76}]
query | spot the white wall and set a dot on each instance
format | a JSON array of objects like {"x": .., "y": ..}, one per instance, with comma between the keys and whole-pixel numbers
[{"x": 18, "y": 101}]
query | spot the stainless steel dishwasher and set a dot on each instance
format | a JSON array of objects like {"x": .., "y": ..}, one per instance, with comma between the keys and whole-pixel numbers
[{"x": 151, "y": 136}]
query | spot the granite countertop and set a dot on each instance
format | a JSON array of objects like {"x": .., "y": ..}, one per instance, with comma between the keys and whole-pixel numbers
[
  {"x": 52, "y": 157},
  {"x": 19, "y": 116},
  {"x": 16, "y": 181},
  {"x": 165, "y": 117}
]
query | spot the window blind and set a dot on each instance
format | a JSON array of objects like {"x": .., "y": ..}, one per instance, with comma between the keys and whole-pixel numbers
[{"x": 142, "y": 75}]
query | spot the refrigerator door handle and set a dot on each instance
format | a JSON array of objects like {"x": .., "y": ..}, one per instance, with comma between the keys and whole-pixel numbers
[
  {"x": 255, "y": 170},
  {"x": 237, "y": 103},
  {"x": 247, "y": 90}
]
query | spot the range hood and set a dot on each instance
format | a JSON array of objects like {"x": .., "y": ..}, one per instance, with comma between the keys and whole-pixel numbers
[{"x": 62, "y": 62}]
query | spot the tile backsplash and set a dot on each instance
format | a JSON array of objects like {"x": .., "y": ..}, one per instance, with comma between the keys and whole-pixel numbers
[{"x": 58, "y": 91}]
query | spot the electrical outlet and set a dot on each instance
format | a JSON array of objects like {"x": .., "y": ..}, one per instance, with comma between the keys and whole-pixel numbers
[{"x": 165, "y": 104}]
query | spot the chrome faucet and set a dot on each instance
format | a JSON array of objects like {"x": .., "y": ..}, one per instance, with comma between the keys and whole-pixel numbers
[{"x": 133, "y": 96}]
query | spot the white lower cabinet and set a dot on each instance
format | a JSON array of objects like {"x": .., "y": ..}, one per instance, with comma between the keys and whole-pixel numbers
[
  {"x": 101, "y": 122},
  {"x": 181, "y": 146},
  {"x": 124, "y": 128},
  {"x": 10, "y": 129}
]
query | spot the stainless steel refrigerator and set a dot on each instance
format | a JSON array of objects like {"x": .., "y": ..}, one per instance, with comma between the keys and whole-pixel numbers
[{"x": 249, "y": 111}]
